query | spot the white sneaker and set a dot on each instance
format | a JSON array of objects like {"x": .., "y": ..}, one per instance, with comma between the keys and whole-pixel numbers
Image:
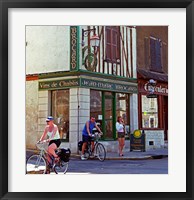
[{"x": 82, "y": 157}]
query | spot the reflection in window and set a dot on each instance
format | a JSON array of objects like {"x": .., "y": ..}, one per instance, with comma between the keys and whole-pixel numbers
[
  {"x": 149, "y": 112},
  {"x": 60, "y": 112},
  {"x": 122, "y": 102}
]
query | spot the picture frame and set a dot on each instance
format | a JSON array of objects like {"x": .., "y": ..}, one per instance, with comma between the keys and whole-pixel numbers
[{"x": 4, "y": 93}]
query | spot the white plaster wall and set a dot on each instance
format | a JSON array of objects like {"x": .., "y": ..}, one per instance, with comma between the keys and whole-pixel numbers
[
  {"x": 31, "y": 113},
  {"x": 79, "y": 114},
  {"x": 156, "y": 136},
  {"x": 133, "y": 112},
  {"x": 43, "y": 105},
  {"x": 47, "y": 49}
]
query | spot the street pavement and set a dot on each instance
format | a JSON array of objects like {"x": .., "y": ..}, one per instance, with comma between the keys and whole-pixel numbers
[
  {"x": 135, "y": 155},
  {"x": 128, "y": 155}
]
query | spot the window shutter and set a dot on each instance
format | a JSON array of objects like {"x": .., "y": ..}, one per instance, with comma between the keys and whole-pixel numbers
[
  {"x": 153, "y": 52},
  {"x": 158, "y": 55},
  {"x": 164, "y": 55},
  {"x": 146, "y": 52},
  {"x": 112, "y": 43},
  {"x": 108, "y": 43}
]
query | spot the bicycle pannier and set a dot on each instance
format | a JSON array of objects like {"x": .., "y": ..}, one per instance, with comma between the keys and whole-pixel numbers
[
  {"x": 65, "y": 154},
  {"x": 80, "y": 143}
]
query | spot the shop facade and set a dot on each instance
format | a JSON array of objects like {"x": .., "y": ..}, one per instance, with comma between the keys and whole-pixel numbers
[
  {"x": 97, "y": 82},
  {"x": 152, "y": 66}
]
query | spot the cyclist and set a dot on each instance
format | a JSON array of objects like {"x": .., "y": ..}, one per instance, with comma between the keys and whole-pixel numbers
[
  {"x": 87, "y": 133},
  {"x": 51, "y": 130}
]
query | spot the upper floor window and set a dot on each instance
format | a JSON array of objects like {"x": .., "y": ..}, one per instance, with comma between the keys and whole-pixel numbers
[
  {"x": 155, "y": 54},
  {"x": 112, "y": 43}
]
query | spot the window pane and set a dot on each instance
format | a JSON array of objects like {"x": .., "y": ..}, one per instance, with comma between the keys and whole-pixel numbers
[
  {"x": 96, "y": 106},
  {"x": 122, "y": 108},
  {"x": 149, "y": 112},
  {"x": 60, "y": 111}
]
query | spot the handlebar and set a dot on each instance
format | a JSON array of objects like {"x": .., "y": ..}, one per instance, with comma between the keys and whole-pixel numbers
[{"x": 96, "y": 135}]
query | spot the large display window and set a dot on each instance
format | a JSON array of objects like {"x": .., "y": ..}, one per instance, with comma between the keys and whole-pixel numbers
[
  {"x": 106, "y": 107},
  {"x": 122, "y": 109},
  {"x": 60, "y": 112},
  {"x": 149, "y": 112}
]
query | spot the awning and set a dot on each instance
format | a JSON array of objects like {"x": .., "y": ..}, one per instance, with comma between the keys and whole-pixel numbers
[{"x": 142, "y": 73}]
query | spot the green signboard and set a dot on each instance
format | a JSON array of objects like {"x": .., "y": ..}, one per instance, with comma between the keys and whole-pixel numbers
[
  {"x": 87, "y": 83},
  {"x": 74, "y": 48},
  {"x": 58, "y": 84},
  {"x": 105, "y": 85}
]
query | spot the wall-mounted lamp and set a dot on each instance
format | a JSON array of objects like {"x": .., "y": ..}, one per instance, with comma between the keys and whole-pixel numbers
[
  {"x": 94, "y": 40},
  {"x": 151, "y": 88}
]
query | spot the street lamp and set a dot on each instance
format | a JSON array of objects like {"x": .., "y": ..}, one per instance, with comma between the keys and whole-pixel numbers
[
  {"x": 151, "y": 88},
  {"x": 94, "y": 40}
]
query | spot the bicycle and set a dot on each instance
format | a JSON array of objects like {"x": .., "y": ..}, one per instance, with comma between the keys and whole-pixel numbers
[
  {"x": 38, "y": 163},
  {"x": 99, "y": 150}
]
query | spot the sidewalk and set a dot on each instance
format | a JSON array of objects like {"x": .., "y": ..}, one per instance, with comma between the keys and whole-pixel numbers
[{"x": 135, "y": 155}]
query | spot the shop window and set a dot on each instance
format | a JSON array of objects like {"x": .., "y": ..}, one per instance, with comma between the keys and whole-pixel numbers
[
  {"x": 96, "y": 106},
  {"x": 112, "y": 43},
  {"x": 122, "y": 109},
  {"x": 149, "y": 112},
  {"x": 60, "y": 111}
]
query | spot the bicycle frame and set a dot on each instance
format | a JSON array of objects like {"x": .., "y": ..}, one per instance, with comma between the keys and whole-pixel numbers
[{"x": 43, "y": 153}]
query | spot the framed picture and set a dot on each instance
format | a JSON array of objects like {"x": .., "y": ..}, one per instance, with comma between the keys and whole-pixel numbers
[{"x": 16, "y": 15}]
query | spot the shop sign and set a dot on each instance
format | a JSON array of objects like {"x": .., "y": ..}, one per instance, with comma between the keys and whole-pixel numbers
[
  {"x": 74, "y": 48},
  {"x": 137, "y": 141},
  {"x": 104, "y": 85},
  {"x": 58, "y": 84},
  {"x": 158, "y": 89}
]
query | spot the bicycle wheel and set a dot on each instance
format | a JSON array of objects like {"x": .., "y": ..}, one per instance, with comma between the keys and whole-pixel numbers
[
  {"x": 36, "y": 164},
  {"x": 100, "y": 152},
  {"x": 61, "y": 167}
]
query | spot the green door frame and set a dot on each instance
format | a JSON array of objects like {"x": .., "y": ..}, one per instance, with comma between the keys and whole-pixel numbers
[{"x": 113, "y": 113}]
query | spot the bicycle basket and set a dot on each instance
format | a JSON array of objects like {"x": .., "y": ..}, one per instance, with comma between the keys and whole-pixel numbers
[
  {"x": 42, "y": 146},
  {"x": 64, "y": 154}
]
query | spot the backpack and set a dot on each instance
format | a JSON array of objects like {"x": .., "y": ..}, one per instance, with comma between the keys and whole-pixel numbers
[{"x": 80, "y": 143}]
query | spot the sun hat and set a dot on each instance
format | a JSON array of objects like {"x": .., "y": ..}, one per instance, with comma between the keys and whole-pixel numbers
[{"x": 49, "y": 118}]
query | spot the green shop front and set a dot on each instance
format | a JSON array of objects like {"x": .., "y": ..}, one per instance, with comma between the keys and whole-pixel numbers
[{"x": 73, "y": 97}]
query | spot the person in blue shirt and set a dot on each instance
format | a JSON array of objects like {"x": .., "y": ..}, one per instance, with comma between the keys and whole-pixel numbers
[{"x": 86, "y": 134}]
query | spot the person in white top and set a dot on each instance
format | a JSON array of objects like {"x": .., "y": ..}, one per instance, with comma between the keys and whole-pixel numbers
[
  {"x": 120, "y": 127},
  {"x": 51, "y": 131}
]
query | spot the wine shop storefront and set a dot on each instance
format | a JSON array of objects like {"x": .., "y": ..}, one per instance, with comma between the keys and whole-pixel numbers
[{"x": 72, "y": 99}]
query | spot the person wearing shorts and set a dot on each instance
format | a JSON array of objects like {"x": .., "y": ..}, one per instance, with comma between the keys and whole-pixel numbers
[
  {"x": 51, "y": 131},
  {"x": 120, "y": 127},
  {"x": 87, "y": 133}
]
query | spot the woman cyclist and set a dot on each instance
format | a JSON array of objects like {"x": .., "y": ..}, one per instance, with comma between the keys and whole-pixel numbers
[{"x": 51, "y": 131}]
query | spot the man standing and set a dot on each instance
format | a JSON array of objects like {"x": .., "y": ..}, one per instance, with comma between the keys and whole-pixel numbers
[{"x": 87, "y": 133}]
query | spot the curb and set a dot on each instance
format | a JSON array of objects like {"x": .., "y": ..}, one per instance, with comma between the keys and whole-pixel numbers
[
  {"x": 127, "y": 158},
  {"x": 149, "y": 157}
]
